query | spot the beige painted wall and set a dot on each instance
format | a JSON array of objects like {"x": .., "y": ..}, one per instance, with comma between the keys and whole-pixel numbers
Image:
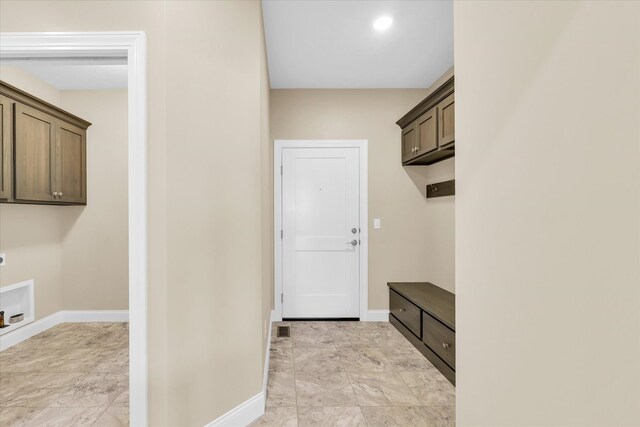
[
  {"x": 31, "y": 236},
  {"x": 213, "y": 111},
  {"x": 25, "y": 81},
  {"x": 548, "y": 213},
  {"x": 32, "y": 240},
  {"x": 95, "y": 242},
  {"x": 415, "y": 242}
]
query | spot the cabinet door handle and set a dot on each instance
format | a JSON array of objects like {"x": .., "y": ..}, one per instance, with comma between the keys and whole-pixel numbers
[
  {"x": 403, "y": 309},
  {"x": 60, "y": 194},
  {"x": 445, "y": 345}
]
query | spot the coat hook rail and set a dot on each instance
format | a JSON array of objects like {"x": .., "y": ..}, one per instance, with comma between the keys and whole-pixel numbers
[{"x": 440, "y": 189}]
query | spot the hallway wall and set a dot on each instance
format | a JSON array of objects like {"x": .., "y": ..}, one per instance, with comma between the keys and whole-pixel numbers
[
  {"x": 548, "y": 213},
  {"x": 205, "y": 259}
]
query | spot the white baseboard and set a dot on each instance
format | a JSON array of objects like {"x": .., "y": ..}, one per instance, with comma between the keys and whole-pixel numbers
[
  {"x": 30, "y": 330},
  {"x": 249, "y": 411},
  {"x": 242, "y": 415},
  {"x": 65, "y": 316},
  {"x": 377, "y": 316},
  {"x": 265, "y": 375},
  {"x": 84, "y": 316}
]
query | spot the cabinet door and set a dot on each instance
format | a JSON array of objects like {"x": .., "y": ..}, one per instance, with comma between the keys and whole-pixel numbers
[
  {"x": 6, "y": 147},
  {"x": 427, "y": 132},
  {"x": 71, "y": 171},
  {"x": 446, "y": 121},
  {"x": 34, "y": 152},
  {"x": 409, "y": 142}
]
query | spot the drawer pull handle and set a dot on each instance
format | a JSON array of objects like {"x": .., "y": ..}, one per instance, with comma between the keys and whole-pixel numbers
[{"x": 445, "y": 345}]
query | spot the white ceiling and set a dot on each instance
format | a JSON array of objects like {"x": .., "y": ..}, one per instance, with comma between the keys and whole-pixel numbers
[
  {"x": 76, "y": 74},
  {"x": 332, "y": 44}
]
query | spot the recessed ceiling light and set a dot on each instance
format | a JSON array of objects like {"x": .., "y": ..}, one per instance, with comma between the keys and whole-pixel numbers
[{"x": 383, "y": 23}]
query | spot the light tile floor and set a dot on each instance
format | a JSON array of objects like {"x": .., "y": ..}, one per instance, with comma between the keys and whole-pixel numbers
[
  {"x": 353, "y": 374},
  {"x": 72, "y": 374}
]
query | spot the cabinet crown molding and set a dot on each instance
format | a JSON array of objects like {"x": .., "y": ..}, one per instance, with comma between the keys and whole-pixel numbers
[
  {"x": 427, "y": 131},
  {"x": 37, "y": 103},
  {"x": 437, "y": 91}
]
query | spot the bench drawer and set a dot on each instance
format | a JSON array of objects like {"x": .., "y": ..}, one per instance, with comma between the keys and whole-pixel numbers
[
  {"x": 439, "y": 338},
  {"x": 405, "y": 312}
]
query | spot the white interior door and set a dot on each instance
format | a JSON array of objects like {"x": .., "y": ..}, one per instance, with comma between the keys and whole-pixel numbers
[{"x": 321, "y": 232}]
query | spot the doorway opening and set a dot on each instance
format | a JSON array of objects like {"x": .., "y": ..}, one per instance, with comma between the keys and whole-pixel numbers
[{"x": 107, "y": 46}]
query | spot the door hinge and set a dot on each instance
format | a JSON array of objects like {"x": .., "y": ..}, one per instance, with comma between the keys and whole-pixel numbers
[
  {"x": 282, "y": 234},
  {"x": 280, "y": 170},
  {"x": 281, "y": 297}
]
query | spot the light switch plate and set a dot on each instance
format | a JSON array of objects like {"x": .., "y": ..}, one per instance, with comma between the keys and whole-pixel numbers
[
  {"x": 376, "y": 223},
  {"x": 3, "y": 259}
]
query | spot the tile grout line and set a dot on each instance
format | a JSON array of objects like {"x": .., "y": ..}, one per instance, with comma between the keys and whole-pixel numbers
[
  {"x": 357, "y": 400},
  {"x": 411, "y": 388}
]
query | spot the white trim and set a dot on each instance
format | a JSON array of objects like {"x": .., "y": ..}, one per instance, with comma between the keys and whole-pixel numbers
[
  {"x": 362, "y": 144},
  {"x": 86, "y": 316},
  {"x": 26, "y": 283},
  {"x": 243, "y": 414},
  {"x": 30, "y": 330},
  {"x": 68, "y": 316},
  {"x": 132, "y": 45},
  {"x": 265, "y": 375},
  {"x": 252, "y": 409},
  {"x": 377, "y": 316}
]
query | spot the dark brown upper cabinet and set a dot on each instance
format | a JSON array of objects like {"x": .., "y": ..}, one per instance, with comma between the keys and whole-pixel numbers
[
  {"x": 48, "y": 165},
  {"x": 6, "y": 148},
  {"x": 71, "y": 169},
  {"x": 35, "y": 139},
  {"x": 409, "y": 142},
  {"x": 446, "y": 121},
  {"x": 428, "y": 130},
  {"x": 427, "y": 135}
]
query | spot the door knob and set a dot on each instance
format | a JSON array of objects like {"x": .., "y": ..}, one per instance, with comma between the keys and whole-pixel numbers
[
  {"x": 354, "y": 242},
  {"x": 354, "y": 230}
]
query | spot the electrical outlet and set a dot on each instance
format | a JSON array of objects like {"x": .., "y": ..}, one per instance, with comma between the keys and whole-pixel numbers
[
  {"x": 376, "y": 223},
  {"x": 3, "y": 259}
]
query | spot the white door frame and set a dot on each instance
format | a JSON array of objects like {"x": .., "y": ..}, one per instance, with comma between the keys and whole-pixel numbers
[
  {"x": 133, "y": 46},
  {"x": 362, "y": 144}
]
